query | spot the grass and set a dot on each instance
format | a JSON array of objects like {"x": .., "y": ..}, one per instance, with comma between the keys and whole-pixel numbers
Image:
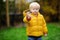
[{"x": 20, "y": 33}]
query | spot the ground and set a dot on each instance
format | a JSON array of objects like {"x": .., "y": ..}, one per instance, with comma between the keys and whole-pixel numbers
[{"x": 19, "y": 33}]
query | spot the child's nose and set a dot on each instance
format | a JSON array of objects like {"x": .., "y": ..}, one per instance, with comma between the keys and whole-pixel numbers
[{"x": 35, "y": 11}]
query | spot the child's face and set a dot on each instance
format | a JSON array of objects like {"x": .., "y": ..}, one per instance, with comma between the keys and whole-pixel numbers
[{"x": 34, "y": 9}]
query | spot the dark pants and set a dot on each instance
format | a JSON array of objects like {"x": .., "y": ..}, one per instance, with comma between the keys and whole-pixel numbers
[{"x": 34, "y": 38}]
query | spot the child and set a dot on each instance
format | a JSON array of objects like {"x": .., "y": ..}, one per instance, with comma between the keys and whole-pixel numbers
[{"x": 36, "y": 25}]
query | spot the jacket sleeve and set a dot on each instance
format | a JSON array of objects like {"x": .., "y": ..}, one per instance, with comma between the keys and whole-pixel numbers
[
  {"x": 25, "y": 20},
  {"x": 24, "y": 13},
  {"x": 44, "y": 27}
]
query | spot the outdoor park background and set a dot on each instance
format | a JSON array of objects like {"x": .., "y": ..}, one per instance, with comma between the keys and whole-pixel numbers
[{"x": 11, "y": 18}]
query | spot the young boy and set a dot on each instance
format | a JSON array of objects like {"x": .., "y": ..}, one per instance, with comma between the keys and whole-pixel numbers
[{"x": 36, "y": 25}]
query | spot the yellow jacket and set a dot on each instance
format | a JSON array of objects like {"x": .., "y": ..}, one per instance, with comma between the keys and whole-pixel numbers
[{"x": 36, "y": 26}]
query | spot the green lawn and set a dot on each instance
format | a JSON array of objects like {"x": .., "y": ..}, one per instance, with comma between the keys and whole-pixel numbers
[{"x": 20, "y": 33}]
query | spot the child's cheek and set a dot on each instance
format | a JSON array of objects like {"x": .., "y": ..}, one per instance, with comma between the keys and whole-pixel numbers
[{"x": 37, "y": 10}]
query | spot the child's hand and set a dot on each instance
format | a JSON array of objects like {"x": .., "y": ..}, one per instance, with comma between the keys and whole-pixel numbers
[
  {"x": 28, "y": 17},
  {"x": 45, "y": 35},
  {"x": 28, "y": 13}
]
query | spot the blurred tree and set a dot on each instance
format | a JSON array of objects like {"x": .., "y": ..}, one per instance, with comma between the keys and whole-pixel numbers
[
  {"x": 2, "y": 12},
  {"x": 2, "y": 6},
  {"x": 50, "y": 8}
]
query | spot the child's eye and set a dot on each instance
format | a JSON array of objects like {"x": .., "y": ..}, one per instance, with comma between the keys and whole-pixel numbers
[
  {"x": 36, "y": 9},
  {"x": 33, "y": 9}
]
